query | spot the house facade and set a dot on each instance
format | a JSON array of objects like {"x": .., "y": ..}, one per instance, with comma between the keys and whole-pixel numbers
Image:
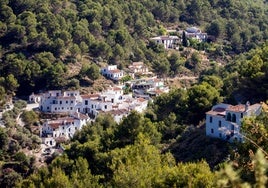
[
  {"x": 149, "y": 87},
  {"x": 224, "y": 120},
  {"x": 112, "y": 72},
  {"x": 196, "y": 33},
  {"x": 138, "y": 67},
  {"x": 70, "y": 102},
  {"x": 60, "y": 102},
  {"x": 166, "y": 41},
  {"x": 34, "y": 98},
  {"x": 64, "y": 127}
]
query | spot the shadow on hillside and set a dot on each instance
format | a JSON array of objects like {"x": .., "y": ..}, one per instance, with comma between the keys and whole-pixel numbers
[{"x": 194, "y": 145}]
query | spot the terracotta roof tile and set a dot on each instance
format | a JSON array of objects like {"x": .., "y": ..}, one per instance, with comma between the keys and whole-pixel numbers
[
  {"x": 90, "y": 96},
  {"x": 237, "y": 108},
  {"x": 115, "y": 71}
]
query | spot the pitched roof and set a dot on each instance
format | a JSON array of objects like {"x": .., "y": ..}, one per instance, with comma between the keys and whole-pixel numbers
[
  {"x": 118, "y": 112},
  {"x": 137, "y": 63},
  {"x": 237, "y": 108},
  {"x": 80, "y": 116},
  {"x": 141, "y": 100},
  {"x": 90, "y": 96},
  {"x": 115, "y": 71},
  {"x": 217, "y": 111}
]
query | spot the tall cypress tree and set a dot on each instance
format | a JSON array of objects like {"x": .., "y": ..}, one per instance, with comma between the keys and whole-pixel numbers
[{"x": 184, "y": 39}]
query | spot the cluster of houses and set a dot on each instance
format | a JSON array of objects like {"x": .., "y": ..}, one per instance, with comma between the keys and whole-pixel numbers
[
  {"x": 173, "y": 42},
  {"x": 78, "y": 109},
  {"x": 223, "y": 121},
  {"x": 148, "y": 87},
  {"x": 82, "y": 108},
  {"x": 115, "y": 74}
]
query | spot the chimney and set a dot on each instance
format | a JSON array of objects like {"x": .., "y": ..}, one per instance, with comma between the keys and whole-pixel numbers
[{"x": 247, "y": 106}]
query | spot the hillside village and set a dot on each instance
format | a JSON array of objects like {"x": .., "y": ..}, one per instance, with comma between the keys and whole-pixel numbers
[
  {"x": 78, "y": 109},
  {"x": 133, "y": 93}
]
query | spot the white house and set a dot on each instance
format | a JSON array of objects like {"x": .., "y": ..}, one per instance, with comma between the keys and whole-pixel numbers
[
  {"x": 224, "y": 120},
  {"x": 196, "y": 33},
  {"x": 35, "y": 98},
  {"x": 112, "y": 72},
  {"x": 149, "y": 87},
  {"x": 118, "y": 114},
  {"x": 58, "y": 102},
  {"x": 64, "y": 127},
  {"x": 167, "y": 41},
  {"x": 138, "y": 67}
]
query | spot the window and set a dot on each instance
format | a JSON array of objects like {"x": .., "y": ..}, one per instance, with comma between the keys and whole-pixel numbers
[
  {"x": 55, "y": 109},
  {"x": 210, "y": 119},
  {"x": 47, "y": 108},
  {"x": 228, "y": 117},
  {"x": 66, "y": 102},
  {"x": 86, "y": 102},
  {"x": 62, "y": 108},
  {"x": 71, "y": 108},
  {"x": 212, "y": 131},
  {"x": 105, "y": 106},
  {"x": 220, "y": 135},
  {"x": 241, "y": 115},
  {"x": 219, "y": 123},
  {"x": 60, "y": 102},
  {"x": 92, "y": 106},
  {"x": 72, "y": 102},
  {"x": 233, "y": 118}
]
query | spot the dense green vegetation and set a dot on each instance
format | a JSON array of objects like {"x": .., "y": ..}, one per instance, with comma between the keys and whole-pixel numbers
[
  {"x": 52, "y": 44},
  {"x": 40, "y": 38}
]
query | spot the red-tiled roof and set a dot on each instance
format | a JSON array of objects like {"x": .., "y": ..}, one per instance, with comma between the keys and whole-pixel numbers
[
  {"x": 60, "y": 121},
  {"x": 237, "y": 108},
  {"x": 137, "y": 63},
  {"x": 117, "y": 89},
  {"x": 80, "y": 115},
  {"x": 115, "y": 71},
  {"x": 118, "y": 112},
  {"x": 217, "y": 111},
  {"x": 90, "y": 96},
  {"x": 54, "y": 125},
  {"x": 141, "y": 99}
]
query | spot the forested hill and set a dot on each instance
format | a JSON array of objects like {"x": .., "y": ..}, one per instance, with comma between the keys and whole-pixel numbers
[
  {"x": 60, "y": 44},
  {"x": 38, "y": 38}
]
